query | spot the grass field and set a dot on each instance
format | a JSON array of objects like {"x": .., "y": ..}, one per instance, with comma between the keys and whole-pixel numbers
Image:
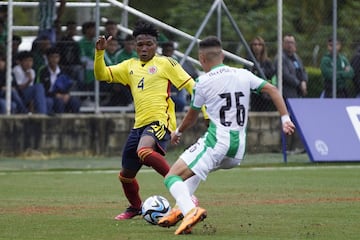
[{"x": 77, "y": 198}]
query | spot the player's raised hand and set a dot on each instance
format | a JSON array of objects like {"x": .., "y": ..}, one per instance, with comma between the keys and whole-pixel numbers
[{"x": 101, "y": 42}]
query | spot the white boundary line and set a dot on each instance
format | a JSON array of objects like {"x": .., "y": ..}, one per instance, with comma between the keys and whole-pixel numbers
[
  {"x": 54, "y": 171},
  {"x": 305, "y": 168}
]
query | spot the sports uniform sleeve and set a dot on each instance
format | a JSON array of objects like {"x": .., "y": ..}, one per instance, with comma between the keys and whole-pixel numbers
[
  {"x": 256, "y": 83},
  {"x": 177, "y": 75},
  {"x": 102, "y": 73},
  {"x": 189, "y": 86},
  {"x": 197, "y": 99},
  {"x": 110, "y": 74}
]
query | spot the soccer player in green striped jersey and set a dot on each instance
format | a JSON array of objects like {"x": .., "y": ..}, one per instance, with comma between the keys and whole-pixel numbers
[{"x": 225, "y": 91}]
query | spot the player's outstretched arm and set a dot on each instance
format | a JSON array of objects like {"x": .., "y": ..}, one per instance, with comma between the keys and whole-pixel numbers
[
  {"x": 189, "y": 88},
  {"x": 188, "y": 121},
  {"x": 287, "y": 125}
]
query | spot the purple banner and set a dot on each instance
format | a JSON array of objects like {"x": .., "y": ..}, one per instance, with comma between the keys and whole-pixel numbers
[{"x": 330, "y": 128}]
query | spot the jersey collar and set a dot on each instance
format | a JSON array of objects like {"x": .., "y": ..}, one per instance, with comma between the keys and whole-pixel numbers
[{"x": 219, "y": 65}]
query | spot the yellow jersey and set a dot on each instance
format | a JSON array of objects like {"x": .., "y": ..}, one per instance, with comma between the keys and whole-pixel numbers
[{"x": 149, "y": 83}]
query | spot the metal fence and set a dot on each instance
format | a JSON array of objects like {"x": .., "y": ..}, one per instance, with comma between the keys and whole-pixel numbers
[{"x": 98, "y": 97}]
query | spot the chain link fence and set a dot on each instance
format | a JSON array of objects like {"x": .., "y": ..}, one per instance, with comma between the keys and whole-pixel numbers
[{"x": 310, "y": 22}]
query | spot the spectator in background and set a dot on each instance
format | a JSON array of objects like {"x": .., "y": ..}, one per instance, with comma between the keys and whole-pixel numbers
[
  {"x": 17, "y": 104},
  {"x": 57, "y": 85},
  {"x": 120, "y": 94},
  {"x": 87, "y": 49},
  {"x": 355, "y": 63},
  {"x": 111, "y": 29},
  {"x": 32, "y": 93},
  {"x": 162, "y": 38},
  {"x": 3, "y": 26},
  {"x": 38, "y": 50},
  {"x": 111, "y": 58},
  {"x": 128, "y": 50},
  {"x": 3, "y": 36},
  {"x": 260, "y": 101},
  {"x": 344, "y": 71},
  {"x": 49, "y": 18},
  {"x": 3, "y": 86},
  {"x": 168, "y": 49},
  {"x": 16, "y": 41},
  {"x": 70, "y": 53},
  {"x": 294, "y": 75},
  {"x": 294, "y": 84},
  {"x": 112, "y": 52}
]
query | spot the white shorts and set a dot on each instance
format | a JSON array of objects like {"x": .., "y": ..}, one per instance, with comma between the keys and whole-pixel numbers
[{"x": 202, "y": 159}]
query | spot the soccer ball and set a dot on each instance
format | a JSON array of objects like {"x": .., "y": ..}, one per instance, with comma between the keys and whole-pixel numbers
[{"x": 154, "y": 208}]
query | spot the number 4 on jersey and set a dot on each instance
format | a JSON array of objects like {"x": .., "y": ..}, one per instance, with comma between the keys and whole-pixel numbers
[{"x": 141, "y": 84}]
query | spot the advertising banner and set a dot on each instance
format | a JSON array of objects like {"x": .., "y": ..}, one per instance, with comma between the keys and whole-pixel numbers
[{"x": 329, "y": 128}]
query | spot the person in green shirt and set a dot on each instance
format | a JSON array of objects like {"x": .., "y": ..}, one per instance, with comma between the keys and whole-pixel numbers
[
  {"x": 344, "y": 71},
  {"x": 112, "y": 51},
  {"x": 87, "y": 53},
  {"x": 120, "y": 95},
  {"x": 3, "y": 35},
  {"x": 129, "y": 49}
]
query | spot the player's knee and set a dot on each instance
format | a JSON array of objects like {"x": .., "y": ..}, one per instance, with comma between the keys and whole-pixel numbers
[
  {"x": 171, "y": 179},
  {"x": 144, "y": 152},
  {"x": 124, "y": 179}
]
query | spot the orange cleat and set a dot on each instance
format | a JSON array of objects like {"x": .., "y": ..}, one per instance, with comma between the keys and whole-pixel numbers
[
  {"x": 196, "y": 215},
  {"x": 172, "y": 218}
]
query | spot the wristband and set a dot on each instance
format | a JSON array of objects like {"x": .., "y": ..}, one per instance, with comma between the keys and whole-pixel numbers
[
  {"x": 285, "y": 118},
  {"x": 177, "y": 133}
]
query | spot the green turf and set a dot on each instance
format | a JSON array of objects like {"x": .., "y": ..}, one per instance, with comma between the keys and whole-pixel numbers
[
  {"x": 90, "y": 162},
  {"x": 262, "y": 199}
]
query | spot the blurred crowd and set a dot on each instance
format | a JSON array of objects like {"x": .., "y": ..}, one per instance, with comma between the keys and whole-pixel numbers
[
  {"x": 56, "y": 75},
  {"x": 51, "y": 77}
]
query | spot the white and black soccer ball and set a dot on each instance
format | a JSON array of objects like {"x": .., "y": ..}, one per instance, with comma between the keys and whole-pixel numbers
[{"x": 154, "y": 208}]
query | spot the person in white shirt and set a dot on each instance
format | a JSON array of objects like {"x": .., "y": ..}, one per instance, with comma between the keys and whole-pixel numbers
[
  {"x": 57, "y": 85},
  {"x": 33, "y": 93},
  {"x": 225, "y": 91}
]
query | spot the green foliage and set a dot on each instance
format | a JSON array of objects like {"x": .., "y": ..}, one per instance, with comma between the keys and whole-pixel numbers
[
  {"x": 315, "y": 82},
  {"x": 309, "y": 21}
]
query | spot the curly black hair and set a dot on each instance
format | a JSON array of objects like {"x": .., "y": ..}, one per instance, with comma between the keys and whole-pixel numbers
[
  {"x": 24, "y": 55},
  {"x": 143, "y": 27}
]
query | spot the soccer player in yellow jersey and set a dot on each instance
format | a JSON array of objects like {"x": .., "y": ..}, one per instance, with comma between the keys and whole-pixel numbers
[{"x": 149, "y": 78}]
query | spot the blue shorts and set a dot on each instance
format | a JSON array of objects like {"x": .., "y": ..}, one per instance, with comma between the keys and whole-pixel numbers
[{"x": 158, "y": 131}]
